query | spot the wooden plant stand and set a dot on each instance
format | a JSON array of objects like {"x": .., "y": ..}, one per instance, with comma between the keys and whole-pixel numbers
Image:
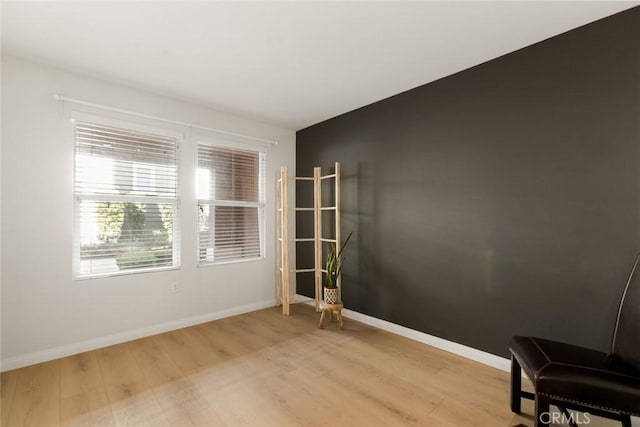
[{"x": 331, "y": 308}]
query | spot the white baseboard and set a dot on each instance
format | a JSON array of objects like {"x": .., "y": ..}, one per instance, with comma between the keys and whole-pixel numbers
[
  {"x": 452, "y": 347},
  {"x": 92, "y": 344}
]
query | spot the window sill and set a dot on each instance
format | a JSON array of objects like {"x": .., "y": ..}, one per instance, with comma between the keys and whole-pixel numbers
[
  {"x": 125, "y": 273},
  {"x": 235, "y": 261}
]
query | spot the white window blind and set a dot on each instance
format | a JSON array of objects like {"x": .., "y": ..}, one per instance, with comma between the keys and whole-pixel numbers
[
  {"x": 126, "y": 200},
  {"x": 230, "y": 188}
]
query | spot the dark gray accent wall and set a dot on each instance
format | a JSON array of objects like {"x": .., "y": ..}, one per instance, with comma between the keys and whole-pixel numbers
[{"x": 501, "y": 200}]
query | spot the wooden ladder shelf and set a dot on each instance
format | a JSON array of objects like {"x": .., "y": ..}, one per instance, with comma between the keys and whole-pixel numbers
[{"x": 284, "y": 269}]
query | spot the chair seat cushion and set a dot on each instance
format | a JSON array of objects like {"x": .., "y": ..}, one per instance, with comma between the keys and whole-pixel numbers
[{"x": 576, "y": 374}]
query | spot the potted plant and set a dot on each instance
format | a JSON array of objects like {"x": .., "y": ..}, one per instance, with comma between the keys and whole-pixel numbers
[{"x": 334, "y": 267}]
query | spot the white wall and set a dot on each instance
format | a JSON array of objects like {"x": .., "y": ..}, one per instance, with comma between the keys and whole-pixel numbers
[{"x": 46, "y": 314}]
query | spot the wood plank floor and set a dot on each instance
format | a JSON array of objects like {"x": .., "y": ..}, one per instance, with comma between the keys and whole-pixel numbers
[{"x": 262, "y": 369}]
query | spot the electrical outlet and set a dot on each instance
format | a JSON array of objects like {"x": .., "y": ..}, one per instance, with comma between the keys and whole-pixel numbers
[{"x": 175, "y": 287}]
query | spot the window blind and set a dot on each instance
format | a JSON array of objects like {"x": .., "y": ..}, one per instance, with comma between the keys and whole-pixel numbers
[
  {"x": 125, "y": 200},
  {"x": 230, "y": 188}
]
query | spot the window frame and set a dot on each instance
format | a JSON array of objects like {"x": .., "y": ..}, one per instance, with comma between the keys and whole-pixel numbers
[
  {"x": 135, "y": 126},
  {"x": 261, "y": 204}
]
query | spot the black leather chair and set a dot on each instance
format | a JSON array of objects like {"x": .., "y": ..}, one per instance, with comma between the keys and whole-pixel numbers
[{"x": 581, "y": 379}]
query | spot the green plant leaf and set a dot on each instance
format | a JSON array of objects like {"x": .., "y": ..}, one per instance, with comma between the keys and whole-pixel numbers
[{"x": 334, "y": 262}]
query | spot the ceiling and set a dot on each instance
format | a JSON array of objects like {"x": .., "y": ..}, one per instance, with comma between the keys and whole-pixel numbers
[{"x": 289, "y": 63}]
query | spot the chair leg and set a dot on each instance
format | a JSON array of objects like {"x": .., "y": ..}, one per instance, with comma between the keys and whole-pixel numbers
[
  {"x": 542, "y": 411},
  {"x": 516, "y": 386},
  {"x": 567, "y": 416},
  {"x": 626, "y": 421}
]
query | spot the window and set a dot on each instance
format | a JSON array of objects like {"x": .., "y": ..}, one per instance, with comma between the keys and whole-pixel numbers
[
  {"x": 125, "y": 200},
  {"x": 230, "y": 189}
]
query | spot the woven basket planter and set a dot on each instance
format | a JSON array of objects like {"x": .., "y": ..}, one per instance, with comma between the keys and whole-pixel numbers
[{"x": 331, "y": 295}]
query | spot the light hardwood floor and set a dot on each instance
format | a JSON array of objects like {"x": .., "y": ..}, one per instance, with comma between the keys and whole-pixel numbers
[{"x": 262, "y": 369}]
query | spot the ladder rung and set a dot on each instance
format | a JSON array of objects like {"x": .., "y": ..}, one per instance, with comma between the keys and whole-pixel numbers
[
  {"x": 280, "y": 268},
  {"x": 280, "y": 239},
  {"x": 302, "y": 209},
  {"x": 328, "y": 208},
  {"x": 328, "y": 240},
  {"x": 280, "y": 180},
  {"x": 333, "y": 175},
  {"x": 304, "y": 270},
  {"x": 304, "y": 178},
  {"x": 279, "y": 209},
  {"x": 303, "y": 240},
  {"x": 323, "y": 270}
]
